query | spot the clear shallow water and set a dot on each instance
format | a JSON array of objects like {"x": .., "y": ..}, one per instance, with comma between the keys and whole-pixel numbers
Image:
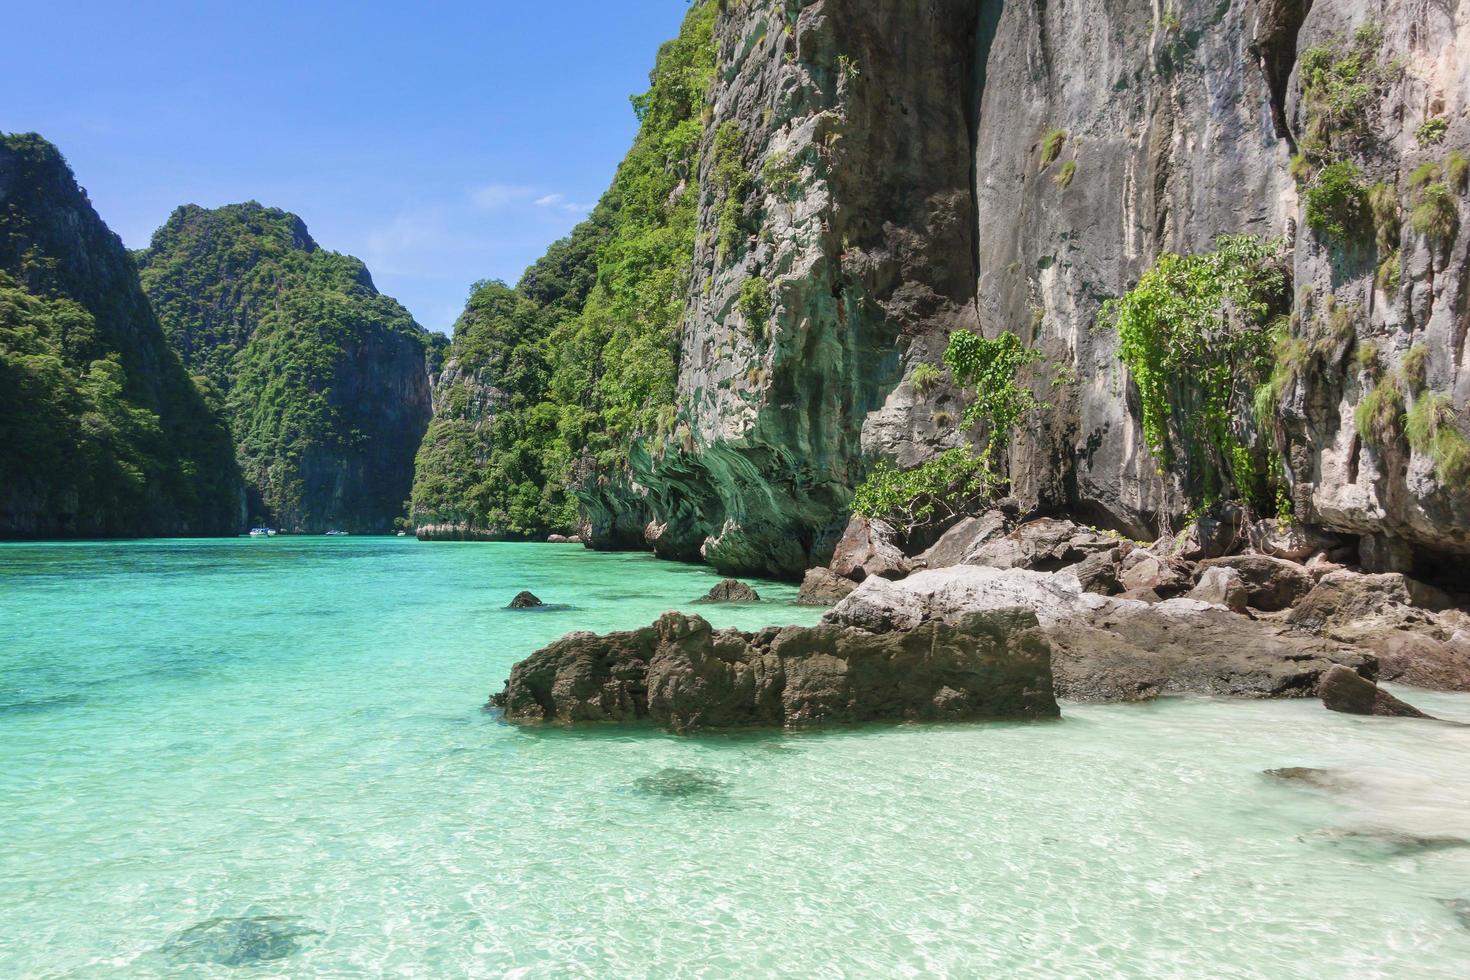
[{"x": 291, "y": 730}]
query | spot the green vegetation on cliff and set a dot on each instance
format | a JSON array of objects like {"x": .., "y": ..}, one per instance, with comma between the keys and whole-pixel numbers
[
  {"x": 1196, "y": 336},
  {"x": 547, "y": 386},
  {"x": 325, "y": 379},
  {"x": 101, "y": 430}
]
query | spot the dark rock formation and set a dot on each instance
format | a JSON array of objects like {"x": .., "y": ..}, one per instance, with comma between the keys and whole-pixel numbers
[
  {"x": 1098, "y": 572},
  {"x": 731, "y": 591},
  {"x": 823, "y": 587},
  {"x": 1114, "y": 649},
  {"x": 525, "y": 600},
  {"x": 102, "y": 431},
  {"x": 1349, "y": 692},
  {"x": 326, "y": 381},
  {"x": 684, "y": 676}
]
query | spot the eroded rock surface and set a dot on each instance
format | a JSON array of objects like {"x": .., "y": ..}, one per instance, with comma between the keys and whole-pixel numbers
[
  {"x": 731, "y": 590},
  {"x": 1112, "y": 649},
  {"x": 1346, "y": 691},
  {"x": 685, "y": 676}
]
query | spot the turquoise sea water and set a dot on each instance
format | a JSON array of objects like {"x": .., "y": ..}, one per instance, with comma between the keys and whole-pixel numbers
[{"x": 269, "y": 758}]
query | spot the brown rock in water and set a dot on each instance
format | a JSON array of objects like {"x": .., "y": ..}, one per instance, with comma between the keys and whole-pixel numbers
[
  {"x": 823, "y": 587},
  {"x": 1271, "y": 583},
  {"x": 525, "y": 600},
  {"x": 731, "y": 590},
  {"x": 1346, "y": 691},
  {"x": 684, "y": 676},
  {"x": 1323, "y": 779}
]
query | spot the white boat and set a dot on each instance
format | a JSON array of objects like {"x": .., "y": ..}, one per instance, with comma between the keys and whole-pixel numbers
[
  {"x": 337, "y": 534},
  {"x": 261, "y": 532}
]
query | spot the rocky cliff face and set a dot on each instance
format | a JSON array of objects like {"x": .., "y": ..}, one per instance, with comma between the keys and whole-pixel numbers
[
  {"x": 876, "y": 175},
  {"x": 102, "y": 431},
  {"x": 325, "y": 379}
]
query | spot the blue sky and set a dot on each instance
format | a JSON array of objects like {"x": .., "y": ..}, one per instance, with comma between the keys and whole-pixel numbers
[{"x": 440, "y": 142}]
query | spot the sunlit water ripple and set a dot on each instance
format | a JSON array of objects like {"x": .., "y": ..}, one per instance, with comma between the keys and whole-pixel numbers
[{"x": 268, "y": 757}]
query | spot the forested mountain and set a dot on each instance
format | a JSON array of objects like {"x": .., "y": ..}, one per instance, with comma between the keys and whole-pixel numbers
[
  {"x": 102, "y": 431},
  {"x": 325, "y": 380},
  {"x": 548, "y": 389}
]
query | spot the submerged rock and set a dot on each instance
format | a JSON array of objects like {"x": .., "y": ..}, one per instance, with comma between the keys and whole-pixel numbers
[
  {"x": 678, "y": 782},
  {"x": 1397, "y": 843},
  {"x": 1459, "y": 908},
  {"x": 685, "y": 676},
  {"x": 1345, "y": 691},
  {"x": 1323, "y": 779},
  {"x": 731, "y": 590},
  {"x": 525, "y": 600},
  {"x": 824, "y": 587},
  {"x": 239, "y": 941}
]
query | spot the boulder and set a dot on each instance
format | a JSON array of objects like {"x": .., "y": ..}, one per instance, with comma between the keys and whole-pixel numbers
[
  {"x": 1045, "y": 544},
  {"x": 1271, "y": 584},
  {"x": 1343, "y": 598},
  {"x": 1142, "y": 569},
  {"x": 1218, "y": 531},
  {"x": 1098, "y": 572},
  {"x": 959, "y": 543},
  {"x": 731, "y": 590},
  {"x": 1113, "y": 649},
  {"x": 525, "y": 600},
  {"x": 823, "y": 587},
  {"x": 1347, "y": 691},
  {"x": 1324, "y": 779},
  {"x": 557, "y": 539},
  {"x": 869, "y": 548},
  {"x": 1296, "y": 542},
  {"x": 685, "y": 676},
  {"x": 1222, "y": 587},
  {"x": 1141, "y": 595},
  {"x": 1420, "y": 660}
]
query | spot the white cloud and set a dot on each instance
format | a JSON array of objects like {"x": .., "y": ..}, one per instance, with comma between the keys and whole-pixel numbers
[
  {"x": 559, "y": 202},
  {"x": 492, "y": 197}
]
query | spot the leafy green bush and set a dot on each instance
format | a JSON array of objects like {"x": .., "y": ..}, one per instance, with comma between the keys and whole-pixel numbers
[
  {"x": 1195, "y": 334},
  {"x": 1337, "y": 204},
  {"x": 1066, "y": 173},
  {"x": 991, "y": 366},
  {"x": 953, "y": 483},
  {"x": 781, "y": 173},
  {"x": 755, "y": 302},
  {"x": 1432, "y": 131},
  {"x": 1338, "y": 87}
]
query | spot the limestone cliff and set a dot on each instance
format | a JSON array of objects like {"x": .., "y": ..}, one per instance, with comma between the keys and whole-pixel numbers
[
  {"x": 326, "y": 380},
  {"x": 102, "y": 431},
  {"x": 874, "y": 176}
]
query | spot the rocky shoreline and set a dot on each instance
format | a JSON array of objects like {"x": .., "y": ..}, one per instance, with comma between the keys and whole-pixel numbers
[{"x": 1003, "y": 618}]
